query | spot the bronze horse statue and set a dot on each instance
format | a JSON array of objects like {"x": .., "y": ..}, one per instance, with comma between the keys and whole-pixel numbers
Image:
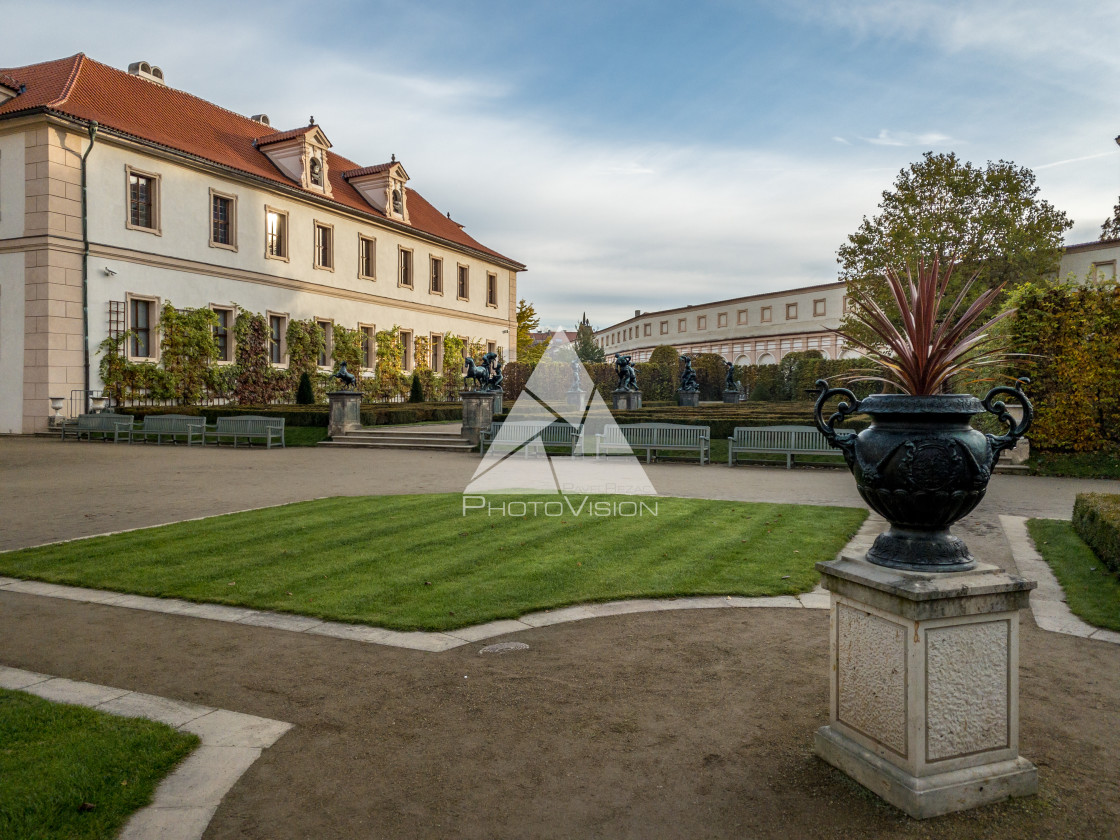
[{"x": 480, "y": 375}]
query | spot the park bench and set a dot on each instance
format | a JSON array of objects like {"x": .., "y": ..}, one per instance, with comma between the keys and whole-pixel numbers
[
  {"x": 532, "y": 436},
  {"x": 783, "y": 440},
  {"x": 103, "y": 424},
  {"x": 653, "y": 437},
  {"x": 170, "y": 426},
  {"x": 248, "y": 428}
]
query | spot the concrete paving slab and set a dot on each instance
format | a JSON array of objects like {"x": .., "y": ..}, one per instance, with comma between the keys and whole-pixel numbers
[
  {"x": 1054, "y": 624},
  {"x": 489, "y": 630},
  {"x": 50, "y": 590},
  {"x": 215, "y": 612},
  {"x": 281, "y": 621},
  {"x": 205, "y": 776},
  {"x": 1106, "y": 636},
  {"x": 155, "y": 823},
  {"x": 144, "y": 602},
  {"x": 172, "y": 712},
  {"x": 352, "y": 632},
  {"x": 431, "y": 642},
  {"x": 548, "y": 617},
  {"x": 223, "y": 728},
  {"x": 4, "y": 581},
  {"x": 62, "y": 690},
  {"x": 15, "y": 679},
  {"x": 815, "y": 601},
  {"x": 780, "y": 601}
]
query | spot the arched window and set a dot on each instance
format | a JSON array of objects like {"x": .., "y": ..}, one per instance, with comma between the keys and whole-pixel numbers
[
  {"x": 316, "y": 171},
  {"x": 398, "y": 203}
]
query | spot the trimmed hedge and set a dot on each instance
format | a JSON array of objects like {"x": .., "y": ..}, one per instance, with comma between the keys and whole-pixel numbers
[
  {"x": 1096, "y": 518},
  {"x": 318, "y": 415}
]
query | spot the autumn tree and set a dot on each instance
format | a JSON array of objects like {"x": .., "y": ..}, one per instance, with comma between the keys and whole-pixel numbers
[
  {"x": 989, "y": 218},
  {"x": 528, "y": 321},
  {"x": 1111, "y": 227}
]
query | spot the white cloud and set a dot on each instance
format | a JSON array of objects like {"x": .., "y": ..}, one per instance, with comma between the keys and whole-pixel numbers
[{"x": 907, "y": 138}]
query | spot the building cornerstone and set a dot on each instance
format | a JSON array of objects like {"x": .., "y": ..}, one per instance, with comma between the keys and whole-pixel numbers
[{"x": 924, "y": 694}]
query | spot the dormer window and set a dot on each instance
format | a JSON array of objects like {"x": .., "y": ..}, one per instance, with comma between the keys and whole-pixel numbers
[
  {"x": 382, "y": 187},
  {"x": 301, "y": 154}
]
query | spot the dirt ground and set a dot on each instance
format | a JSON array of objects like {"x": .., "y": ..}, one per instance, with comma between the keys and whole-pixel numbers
[{"x": 689, "y": 724}]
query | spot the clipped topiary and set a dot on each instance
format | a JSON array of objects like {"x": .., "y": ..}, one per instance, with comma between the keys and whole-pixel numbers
[
  {"x": 1096, "y": 519},
  {"x": 416, "y": 392},
  {"x": 305, "y": 394}
]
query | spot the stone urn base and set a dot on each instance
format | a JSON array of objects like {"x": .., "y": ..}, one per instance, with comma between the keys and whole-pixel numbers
[{"x": 924, "y": 685}]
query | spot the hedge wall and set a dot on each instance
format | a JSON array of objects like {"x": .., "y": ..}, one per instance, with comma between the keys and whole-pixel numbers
[
  {"x": 1075, "y": 378},
  {"x": 319, "y": 415},
  {"x": 1096, "y": 518}
]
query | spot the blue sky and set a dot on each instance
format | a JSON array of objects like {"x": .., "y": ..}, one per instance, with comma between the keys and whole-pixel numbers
[{"x": 647, "y": 154}]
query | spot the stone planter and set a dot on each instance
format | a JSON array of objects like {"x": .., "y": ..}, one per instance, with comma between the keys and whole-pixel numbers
[{"x": 922, "y": 467}]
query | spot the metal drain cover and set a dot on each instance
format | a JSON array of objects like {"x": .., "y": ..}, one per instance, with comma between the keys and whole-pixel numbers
[{"x": 504, "y": 647}]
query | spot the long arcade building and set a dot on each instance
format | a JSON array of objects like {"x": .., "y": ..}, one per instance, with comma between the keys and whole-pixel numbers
[{"x": 186, "y": 202}]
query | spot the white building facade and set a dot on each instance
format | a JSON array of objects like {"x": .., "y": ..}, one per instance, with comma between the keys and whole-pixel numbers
[
  {"x": 756, "y": 329},
  {"x": 185, "y": 202}
]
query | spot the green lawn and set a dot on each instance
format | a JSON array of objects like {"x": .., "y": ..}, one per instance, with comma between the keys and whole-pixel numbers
[
  {"x": 58, "y": 760},
  {"x": 416, "y": 562},
  {"x": 304, "y": 435},
  {"x": 1093, "y": 593}
]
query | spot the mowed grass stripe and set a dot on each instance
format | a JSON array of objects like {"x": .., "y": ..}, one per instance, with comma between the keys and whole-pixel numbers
[{"x": 417, "y": 563}]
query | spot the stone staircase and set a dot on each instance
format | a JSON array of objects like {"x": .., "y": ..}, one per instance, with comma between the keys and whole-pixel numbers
[{"x": 370, "y": 437}]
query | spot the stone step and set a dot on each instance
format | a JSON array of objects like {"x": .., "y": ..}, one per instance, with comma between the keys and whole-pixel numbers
[{"x": 351, "y": 443}]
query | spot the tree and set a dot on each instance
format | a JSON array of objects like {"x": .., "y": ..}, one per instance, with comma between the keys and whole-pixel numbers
[
  {"x": 586, "y": 348},
  {"x": 990, "y": 219},
  {"x": 1111, "y": 227},
  {"x": 527, "y": 322}
]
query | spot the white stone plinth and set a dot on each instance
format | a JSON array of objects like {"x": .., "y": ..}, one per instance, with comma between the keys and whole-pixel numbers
[
  {"x": 345, "y": 412},
  {"x": 479, "y": 408},
  {"x": 924, "y": 695}
]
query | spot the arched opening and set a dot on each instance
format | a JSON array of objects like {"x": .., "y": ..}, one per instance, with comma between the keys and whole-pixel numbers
[{"x": 767, "y": 359}]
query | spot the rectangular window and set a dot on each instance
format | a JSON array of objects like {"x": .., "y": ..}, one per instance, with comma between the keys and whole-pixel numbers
[
  {"x": 367, "y": 257},
  {"x": 464, "y": 283},
  {"x": 437, "y": 352},
  {"x": 742, "y": 316},
  {"x": 223, "y": 220},
  {"x": 819, "y": 308},
  {"x": 223, "y": 334},
  {"x": 328, "y": 341},
  {"x": 491, "y": 347},
  {"x": 664, "y": 327},
  {"x": 701, "y": 322},
  {"x": 682, "y": 325},
  {"x": 276, "y": 328},
  {"x": 141, "y": 321},
  {"x": 276, "y": 234},
  {"x": 406, "y": 350},
  {"x": 143, "y": 201},
  {"x": 647, "y": 329},
  {"x": 436, "y": 285},
  {"x": 1104, "y": 270},
  {"x": 492, "y": 290},
  {"x": 721, "y": 319},
  {"x": 369, "y": 346},
  {"x": 767, "y": 314},
  {"x": 404, "y": 267},
  {"x": 791, "y": 311},
  {"x": 324, "y": 246}
]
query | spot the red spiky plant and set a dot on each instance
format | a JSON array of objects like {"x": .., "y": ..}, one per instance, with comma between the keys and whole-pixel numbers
[{"x": 921, "y": 356}]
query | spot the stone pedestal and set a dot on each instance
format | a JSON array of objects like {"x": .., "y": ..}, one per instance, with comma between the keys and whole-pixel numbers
[
  {"x": 627, "y": 400},
  {"x": 690, "y": 398},
  {"x": 346, "y": 412},
  {"x": 479, "y": 408},
  {"x": 732, "y": 396},
  {"x": 575, "y": 399},
  {"x": 924, "y": 699}
]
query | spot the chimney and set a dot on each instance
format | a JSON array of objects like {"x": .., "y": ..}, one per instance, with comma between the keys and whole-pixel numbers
[
  {"x": 147, "y": 71},
  {"x": 262, "y": 119}
]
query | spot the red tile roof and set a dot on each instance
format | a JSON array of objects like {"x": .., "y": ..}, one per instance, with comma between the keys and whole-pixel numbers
[
  {"x": 284, "y": 135},
  {"x": 88, "y": 90},
  {"x": 369, "y": 170},
  {"x": 8, "y": 82}
]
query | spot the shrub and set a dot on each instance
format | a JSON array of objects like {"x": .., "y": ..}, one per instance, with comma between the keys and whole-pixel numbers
[
  {"x": 1096, "y": 518},
  {"x": 416, "y": 391},
  {"x": 305, "y": 394}
]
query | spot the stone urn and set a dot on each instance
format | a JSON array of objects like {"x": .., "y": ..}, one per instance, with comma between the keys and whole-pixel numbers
[{"x": 922, "y": 466}]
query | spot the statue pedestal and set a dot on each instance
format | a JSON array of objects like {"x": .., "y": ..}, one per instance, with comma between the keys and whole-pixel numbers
[
  {"x": 479, "y": 408},
  {"x": 627, "y": 400},
  {"x": 690, "y": 398},
  {"x": 924, "y": 685},
  {"x": 575, "y": 399},
  {"x": 346, "y": 412},
  {"x": 732, "y": 396}
]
